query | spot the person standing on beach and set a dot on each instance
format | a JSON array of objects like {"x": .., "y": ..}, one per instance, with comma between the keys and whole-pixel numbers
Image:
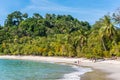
[{"x": 78, "y": 62}]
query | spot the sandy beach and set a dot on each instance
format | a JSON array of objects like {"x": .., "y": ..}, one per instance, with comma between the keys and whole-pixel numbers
[{"x": 110, "y": 67}]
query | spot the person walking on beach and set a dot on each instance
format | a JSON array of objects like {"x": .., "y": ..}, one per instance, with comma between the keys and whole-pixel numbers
[
  {"x": 78, "y": 62},
  {"x": 94, "y": 59}
]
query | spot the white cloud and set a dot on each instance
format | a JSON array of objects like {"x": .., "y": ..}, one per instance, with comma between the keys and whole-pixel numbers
[
  {"x": 45, "y": 5},
  {"x": 82, "y": 13}
]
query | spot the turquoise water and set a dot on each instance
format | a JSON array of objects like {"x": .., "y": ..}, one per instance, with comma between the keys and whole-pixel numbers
[{"x": 31, "y": 70}]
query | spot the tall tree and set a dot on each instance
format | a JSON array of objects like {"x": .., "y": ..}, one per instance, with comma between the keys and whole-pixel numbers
[
  {"x": 116, "y": 16},
  {"x": 107, "y": 31},
  {"x": 15, "y": 18}
]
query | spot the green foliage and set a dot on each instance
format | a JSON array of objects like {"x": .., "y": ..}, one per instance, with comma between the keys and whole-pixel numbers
[
  {"x": 106, "y": 54},
  {"x": 15, "y": 18},
  {"x": 58, "y": 35}
]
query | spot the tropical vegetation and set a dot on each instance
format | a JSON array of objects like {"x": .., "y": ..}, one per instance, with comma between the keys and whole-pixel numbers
[{"x": 59, "y": 35}]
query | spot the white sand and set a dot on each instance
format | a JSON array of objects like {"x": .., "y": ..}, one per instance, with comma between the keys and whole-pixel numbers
[{"x": 110, "y": 66}]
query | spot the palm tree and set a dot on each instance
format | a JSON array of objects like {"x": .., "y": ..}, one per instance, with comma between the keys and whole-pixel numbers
[{"x": 107, "y": 31}]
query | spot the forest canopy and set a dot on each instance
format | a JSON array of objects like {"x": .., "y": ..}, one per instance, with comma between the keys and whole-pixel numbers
[{"x": 59, "y": 35}]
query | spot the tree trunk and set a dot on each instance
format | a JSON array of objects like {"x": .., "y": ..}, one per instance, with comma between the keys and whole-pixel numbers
[{"x": 103, "y": 43}]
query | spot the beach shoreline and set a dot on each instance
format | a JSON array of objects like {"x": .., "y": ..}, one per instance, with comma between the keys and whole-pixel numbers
[
  {"x": 95, "y": 75},
  {"x": 110, "y": 67}
]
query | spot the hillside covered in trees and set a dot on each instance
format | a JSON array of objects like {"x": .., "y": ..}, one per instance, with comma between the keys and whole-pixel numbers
[{"x": 59, "y": 35}]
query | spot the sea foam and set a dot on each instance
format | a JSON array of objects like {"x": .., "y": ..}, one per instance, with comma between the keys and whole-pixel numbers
[{"x": 76, "y": 75}]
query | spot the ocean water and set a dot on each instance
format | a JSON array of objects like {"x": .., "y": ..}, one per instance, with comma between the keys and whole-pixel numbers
[{"x": 32, "y": 70}]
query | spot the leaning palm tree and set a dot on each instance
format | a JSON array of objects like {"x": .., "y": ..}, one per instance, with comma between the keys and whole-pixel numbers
[{"x": 107, "y": 31}]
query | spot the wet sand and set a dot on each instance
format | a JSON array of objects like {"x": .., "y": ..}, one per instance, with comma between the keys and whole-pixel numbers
[{"x": 95, "y": 75}]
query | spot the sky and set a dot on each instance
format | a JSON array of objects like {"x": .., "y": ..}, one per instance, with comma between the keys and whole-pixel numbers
[{"x": 84, "y": 10}]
